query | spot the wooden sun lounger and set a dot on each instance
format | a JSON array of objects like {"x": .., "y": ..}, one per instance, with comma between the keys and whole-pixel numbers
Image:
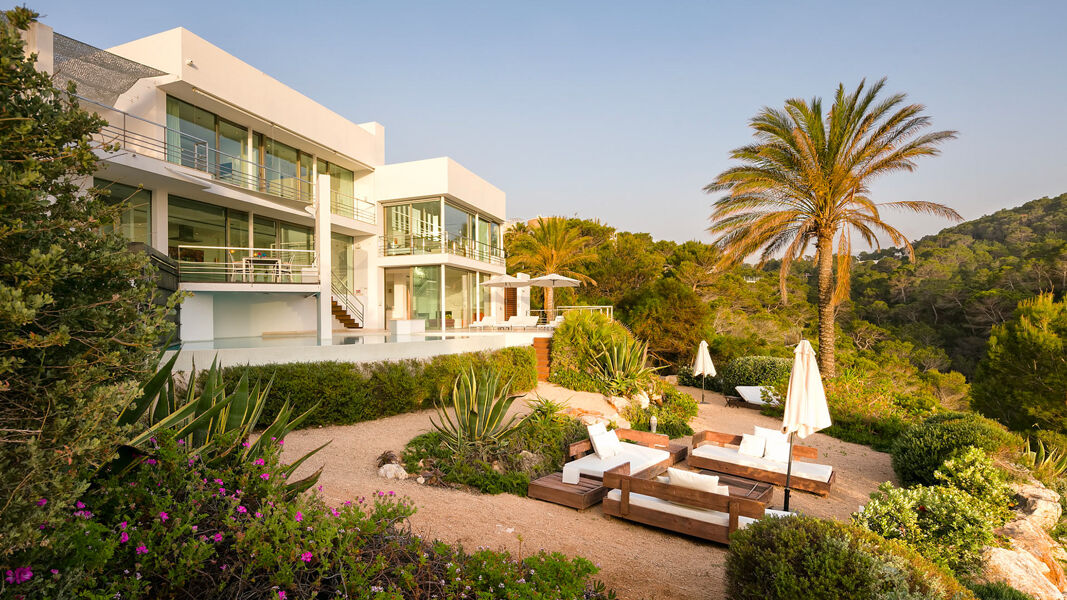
[
  {"x": 590, "y": 489},
  {"x": 732, "y": 508},
  {"x": 821, "y": 488}
]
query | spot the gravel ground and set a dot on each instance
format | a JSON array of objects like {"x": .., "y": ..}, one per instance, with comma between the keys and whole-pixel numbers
[{"x": 638, "y": 562}]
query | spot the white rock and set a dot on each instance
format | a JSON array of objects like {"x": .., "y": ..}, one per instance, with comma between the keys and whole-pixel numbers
[
  {"x": 392, "y": 471},
  {"x": 421, "y": 480},
  {"x": 1022, "y": 571},
  {"x": 642, "y": 400},
  {"x": 1040, "y": 504}
]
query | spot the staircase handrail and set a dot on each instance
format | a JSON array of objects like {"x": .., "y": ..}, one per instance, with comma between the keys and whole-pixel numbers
[{"x": 345, "y": 298}]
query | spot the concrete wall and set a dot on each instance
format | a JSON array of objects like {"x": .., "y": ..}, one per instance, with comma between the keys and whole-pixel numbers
[
  {"x": 354, "y": 353},
  {"x": 250, "y": 314}
]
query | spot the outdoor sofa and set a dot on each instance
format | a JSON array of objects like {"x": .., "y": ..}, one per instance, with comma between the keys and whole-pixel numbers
[
  {"x": 723, "y": 453},
  {"x": 694, "y": 506}
]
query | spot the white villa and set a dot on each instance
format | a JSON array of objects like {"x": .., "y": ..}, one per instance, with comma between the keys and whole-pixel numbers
[{"x": 280, "y": 216}]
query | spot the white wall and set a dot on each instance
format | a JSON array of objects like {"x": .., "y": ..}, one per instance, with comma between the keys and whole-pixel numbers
[
  {"x": 353, "y": 353},
  {"x": 439, "y": 177},
  {"x": 243, "y": 314},
  {"x": 198, "y": 317}
]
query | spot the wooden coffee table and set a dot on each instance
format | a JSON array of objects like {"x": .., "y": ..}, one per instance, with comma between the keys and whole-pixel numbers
[
  {"x": 550, "y": 488},
  {"x": 741, "y": 487}
]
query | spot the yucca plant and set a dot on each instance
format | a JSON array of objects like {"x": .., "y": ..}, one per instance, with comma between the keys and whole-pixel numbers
[
  {"x": 214, "y": 424},
  {"x": 622, "y": 368},
  {"x": 479, "y": 406},
  {"x": 1044, "y": 463}
]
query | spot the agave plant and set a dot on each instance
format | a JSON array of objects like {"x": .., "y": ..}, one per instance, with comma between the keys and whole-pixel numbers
[
  {"x": 1044, "y": 463},
  {"x": 545, "y": 410},
  {"x": 480, "y": 403},
  {"x": 622, "y": 368},
  {"x": 214, "y": 424}
]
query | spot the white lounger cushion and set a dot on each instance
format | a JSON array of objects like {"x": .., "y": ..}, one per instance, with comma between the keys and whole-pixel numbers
[
  {"x": 639, "y": 457},
  {"x": 753, "y": 394},
  {"x": 700, "y": 514},
  {"x": 807, "y": 470}
]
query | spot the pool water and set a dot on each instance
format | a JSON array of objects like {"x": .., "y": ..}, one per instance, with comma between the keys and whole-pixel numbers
[{"x": 311, "y": 340}]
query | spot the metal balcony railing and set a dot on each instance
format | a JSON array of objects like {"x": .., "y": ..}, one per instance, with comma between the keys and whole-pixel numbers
[
  {"x": 543, "y": 316},
  {"x": 148, "y": 138},
  {"x": 353, "y": 207},
  {"x": 408, "y": 244},
  {"x": 227, "y": 264}
]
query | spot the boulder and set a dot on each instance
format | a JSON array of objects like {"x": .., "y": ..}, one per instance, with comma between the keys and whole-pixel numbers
[
  {"x": 528, "y": 461},
  {"x": 1027, "y": 537},
  {"x": 1040, "y": 504},
  {"x": 1021, "y": 571},
  {"x": 642, "y": 400},
  {"x": 392, "y": 471}
]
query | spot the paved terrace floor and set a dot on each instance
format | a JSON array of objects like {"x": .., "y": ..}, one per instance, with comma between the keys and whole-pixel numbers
[{"x": 638, "y": 562}]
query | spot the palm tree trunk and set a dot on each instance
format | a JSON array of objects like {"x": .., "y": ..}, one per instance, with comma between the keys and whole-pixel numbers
[
  {"x": 550, "y": 303},
  {"x": 826, "y": 306}
]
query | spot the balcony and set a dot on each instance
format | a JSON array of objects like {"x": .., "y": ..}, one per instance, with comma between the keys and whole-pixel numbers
[
  {"x": 148, "y": 138},
  {"x": 353, "y": 207},
  {"x": 227, "y": 264},
  {"x": 439, "y": 243}
]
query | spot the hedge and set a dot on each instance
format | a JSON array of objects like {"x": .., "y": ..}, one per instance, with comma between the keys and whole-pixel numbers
[
  {"x": 815, "y": 559},
  {"x": 351, "y": 393},
  {"x": 923, "y": 447}
]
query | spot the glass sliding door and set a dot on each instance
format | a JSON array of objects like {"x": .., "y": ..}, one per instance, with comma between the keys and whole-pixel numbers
[
  {"x": 189, "y": 128},
  {"x": 342, "y": 259},
  {"x": 485, "y": 293},
  {"x": 458, "y": 230},
  {"x": 426, "y": 295},
  {"x": 494, "y": 241},
  {"x": 135, "y": 222},
  {"x": 483, "y": 239},
  {"x": 264, "y": 233},
  {"x": 233, "y": 148},
  {"x": 426, "y": 226},
  {"x": 459, "y": 293},
  {"x": 196, "y": 237},
  {"x": 398, "y": 294}
]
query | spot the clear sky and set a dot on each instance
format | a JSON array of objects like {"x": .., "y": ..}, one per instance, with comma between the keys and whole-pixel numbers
[{"x": 623, "y": 110}]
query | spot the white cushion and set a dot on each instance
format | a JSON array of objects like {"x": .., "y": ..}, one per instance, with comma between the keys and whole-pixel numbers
[
  {"x": 595, "y": 428},
  {"x": 690, "y": 512},
  {"x": 753, "y": 394},
  {"x": 605, "y": 444},
  {"x": 776, "y": 450},
  {"x": 752, "y": 445},
  {"x": 691, "y": 480},
  {"x": 639, "y": 457},
  {"x": 771, "y": 434},
  {"x": 806, "y": 470}
]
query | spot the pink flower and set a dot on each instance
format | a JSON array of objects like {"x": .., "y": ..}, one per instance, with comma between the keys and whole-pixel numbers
[
  {"x": 151, "y": 461},
  {"x": 222, "y": 491},
  {"x": 194, "y": 528},
  {"x": 79, "y": 505},
  {"x": 299, "y": 516},
  {"x": 264, "y": 476},
  {"x": 259, "y": 461},
  {"x": 219, "y": 481},
  {"x": 142, "y": 549},
  {"x": 218, "y": 537},
  {"x": 124, "y": 537},
  {"x": 306, "y": 557},
  {"x": 242, "y": 509},
  {"x": 245, "y": 444},
  {"x": 122, "y": 525},
  {"x": 163, "y": 516},
  {"x": 334, "y": 512},
  {"x": 42, "y": 502},
  {"x": 19, "y": 575},
  {"x": 281, "y": 595},
  {"x": 281, "y": 442},
  {"x": 259, "y": 515}
]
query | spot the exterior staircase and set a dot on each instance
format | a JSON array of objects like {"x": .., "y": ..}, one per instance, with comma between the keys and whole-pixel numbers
[
  {"x": 541, "y": 349},
  {"x": 345, "y": 307}
]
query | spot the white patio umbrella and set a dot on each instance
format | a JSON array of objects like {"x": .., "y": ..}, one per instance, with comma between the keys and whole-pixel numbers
[
  {"x": 805, "y": 403},
  {"x": 553, "y": 280},
  {"x": 703, "y": 366},
  {"x": 505, "y": 281}
]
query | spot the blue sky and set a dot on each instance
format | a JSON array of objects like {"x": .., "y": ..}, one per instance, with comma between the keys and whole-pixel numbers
[{"x": 623, "y": 110}]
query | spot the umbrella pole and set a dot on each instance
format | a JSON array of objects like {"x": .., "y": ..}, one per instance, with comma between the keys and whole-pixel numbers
[
  {"x": 788, "y": 472},
  {"x": 703, "y": 380}
]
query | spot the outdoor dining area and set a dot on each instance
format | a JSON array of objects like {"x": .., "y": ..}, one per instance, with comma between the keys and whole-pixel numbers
[{"x": 717, "y": 484}]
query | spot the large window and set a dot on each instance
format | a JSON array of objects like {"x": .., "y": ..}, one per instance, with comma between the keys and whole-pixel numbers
[
  {"x": 342, "y": 259},
  {"x": 135, "y": 221},
  {"x": 226, "y": 147},
  {"x": 198, "y": 232},
  {"x": 286, "y": 172},
  {"x": 459, "y": 297},
  {"x": 342, "y": 189},
  {"x": 413, "y": 228},
  {"x": 414, "y": 293}
]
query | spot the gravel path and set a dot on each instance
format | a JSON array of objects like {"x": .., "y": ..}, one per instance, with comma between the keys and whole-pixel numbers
[{"x": 638, "y": 562}]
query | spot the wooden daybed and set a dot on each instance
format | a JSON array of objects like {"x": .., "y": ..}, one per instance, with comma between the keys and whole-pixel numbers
[
  {"x": 713, "y": 451},
  {"x": 702, "y": 514},
  {"x": 580, "y": 485}
]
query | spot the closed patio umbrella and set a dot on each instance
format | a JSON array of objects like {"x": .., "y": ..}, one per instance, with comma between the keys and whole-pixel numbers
[
  {"x": 703, "y": 366},
  {"x": 805, "y": 403}
]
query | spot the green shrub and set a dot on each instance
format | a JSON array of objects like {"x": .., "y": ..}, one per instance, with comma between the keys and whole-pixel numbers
[
  {"x": 923, "y": 447},
  {"x": 672, "y": 414},
  {"x": 997, "y": 591},
  {"x": 804, "y": 557},
  {"x": 575, "y": 344},
  {"x": 754, "y": 370},
  {"x": 181, "y": 528},
  {"x": 944, "y": 524},
  {"x": 972, "y": 471},
  {"x": 351, "y": 393},
  {"x": 1022, "y": 380}
]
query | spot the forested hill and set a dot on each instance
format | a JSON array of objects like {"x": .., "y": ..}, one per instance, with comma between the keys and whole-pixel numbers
[{"x": 966, "y": 278}]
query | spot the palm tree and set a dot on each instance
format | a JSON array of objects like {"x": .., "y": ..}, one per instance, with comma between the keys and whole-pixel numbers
[
  {"x": 805, "y": 180},
  {"x": 551, "y": 246}
]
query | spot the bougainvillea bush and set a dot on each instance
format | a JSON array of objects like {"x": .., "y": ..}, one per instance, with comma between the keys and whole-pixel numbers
[{"x": 175, "y": 527}]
